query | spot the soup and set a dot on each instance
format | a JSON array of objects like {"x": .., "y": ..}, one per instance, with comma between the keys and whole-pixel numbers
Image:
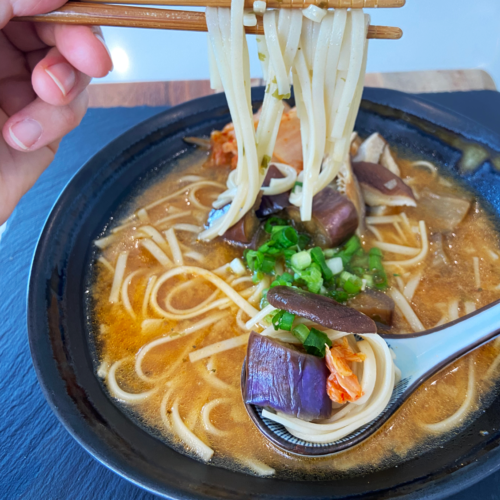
[
  {"x": 180, "y": 374},
  {"x": 293, "y": 243}
]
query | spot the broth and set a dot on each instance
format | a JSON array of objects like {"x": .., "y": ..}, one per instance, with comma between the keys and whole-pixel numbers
[{"x": 444, "y": 291}]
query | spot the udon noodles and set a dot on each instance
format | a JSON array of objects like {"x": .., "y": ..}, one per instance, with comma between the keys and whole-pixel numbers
[{"x": 234, "y": 255}]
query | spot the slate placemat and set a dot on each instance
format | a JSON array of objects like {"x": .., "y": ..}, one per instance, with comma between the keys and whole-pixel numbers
[{"x": 38, "y": 458}]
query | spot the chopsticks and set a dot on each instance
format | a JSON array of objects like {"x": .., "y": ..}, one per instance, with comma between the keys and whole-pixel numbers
[
  {"x": 102, "y": 14},
  {"x": 272, "y": 4}
]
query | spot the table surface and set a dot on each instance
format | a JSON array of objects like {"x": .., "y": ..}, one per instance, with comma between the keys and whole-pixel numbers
[
  {"x": 111, "y": 95},
  {"x": 71, "y": 473}
]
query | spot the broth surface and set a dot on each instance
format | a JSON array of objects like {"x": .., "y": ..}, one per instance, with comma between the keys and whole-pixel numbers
[{"x": 237, "y": 443}]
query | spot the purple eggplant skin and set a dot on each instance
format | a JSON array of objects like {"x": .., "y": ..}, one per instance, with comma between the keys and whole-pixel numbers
[
  {"x": 320, "y": 309},
  {"x": 275, "y": 203},
  {"x": 334, "y": 218},
  {"x": 289, "y": 381}
]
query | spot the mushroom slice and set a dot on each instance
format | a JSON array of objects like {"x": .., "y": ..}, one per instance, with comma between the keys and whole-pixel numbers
[
  {"x": 334, "y": 218},
  {"x": 376, "y": 305},
  {"x": 371, "y": 149},
  {"x": 381, "y": 187},
  {"x": 388, "y": 161},
  {"x": 348, "y": 185},
  {"x": 272, "y": 204},
  {"x": 355, "y": 143},
  {"x": 320, "y": 309}
]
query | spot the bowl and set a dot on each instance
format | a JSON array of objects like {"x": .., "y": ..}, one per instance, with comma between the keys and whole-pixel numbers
[{"x": 64, "y": 354}]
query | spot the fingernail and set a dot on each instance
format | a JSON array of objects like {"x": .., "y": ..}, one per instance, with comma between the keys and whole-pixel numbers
[
  {"x": 101, "y": 39},
  {"x": 64, "y": 76},
  {"x": 26, "y": 133}
]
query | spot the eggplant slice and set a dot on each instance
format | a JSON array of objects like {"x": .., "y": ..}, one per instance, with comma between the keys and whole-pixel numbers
[
  {"x": 287, "y": 380},
  {"x": 334, "y": 218},
  {"x": 320, "y": 309}
]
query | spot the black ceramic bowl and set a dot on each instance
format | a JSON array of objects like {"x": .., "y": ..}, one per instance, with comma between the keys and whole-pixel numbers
[{"x": 62, "y": 349}]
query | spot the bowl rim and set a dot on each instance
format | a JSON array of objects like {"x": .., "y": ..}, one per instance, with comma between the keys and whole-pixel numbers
[{"x": 448, "y": 484}]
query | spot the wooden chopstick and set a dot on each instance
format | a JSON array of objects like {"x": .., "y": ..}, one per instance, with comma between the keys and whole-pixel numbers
[
  {"x": 272, "y": 4},
  {"x": 141, "y": 17}
]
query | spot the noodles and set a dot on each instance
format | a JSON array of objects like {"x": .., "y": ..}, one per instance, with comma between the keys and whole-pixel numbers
[
  {"x": 327, "y": 108},
  {"x": 470, "y": 307},
  {"x": 102, "y": 243},
  {"x": 477, "y": 276},
  {"x": 187, "y": 227},
  {"x": 352, "y": 419},
  {"x": 119, "y": 393},
  {"x": 205, "y": 416},
  {"x": 407, "y": 310},
  {"x": 121, "y": 264},
  {"x": 164, "y": 340},
  {"x": 155, "y": 235},
  {"x": 183, "y": 286},
  {"x": 259, "y": 316},
  {"x": 224, "y": 345},
  {"x": 209, "y": 276},
  {"x": 194, "y": 443},
  {"x": 461, "y": 413},
  {"x": 124, "y": 293},
  {"x": 412, "y": 285},
  {"x": 383, "y": 219},
  {"x": 172, "y": 217},
  {"x": 174, "y": 247},
  {"x": 398, "y": 249},
  {"x": 260, "y": 468},
  {"x": 184, "y": 190},
  {"x": 156, "y": 252},
  {"x": 453, "y": 310},
  {"x": 423, "y": 252},
  {"x": 147, "y": 294},
  {"x": 105, "y": 262}
]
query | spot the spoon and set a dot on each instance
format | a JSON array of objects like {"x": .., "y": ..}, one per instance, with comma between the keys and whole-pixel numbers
[{"x": 418, "y": 355}]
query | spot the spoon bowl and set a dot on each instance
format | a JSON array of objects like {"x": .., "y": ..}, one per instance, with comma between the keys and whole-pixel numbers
[{"x": 418, "y": 355}]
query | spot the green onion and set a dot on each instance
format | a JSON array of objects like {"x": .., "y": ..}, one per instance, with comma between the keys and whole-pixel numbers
[
  {"x": 254, "y": 259},
  {"x": 265, "y": 162},
  {"x": 318, "y": 257},
  {"x": 301, "y": 260},
  {"x": 311, "y": 276},
  {"x": 330, "y": 252},
  {"x": 301, "y": 332},
  {"x": 351, "y": 283},
  {"x": 283, "y": 320},
  {"x": 279, "y": 96},
  {"x": 297, "y": 184},
  {"x": 274, "y": 221},
  {"x": 286, "y": 237},
  {"x": 303, "y": 241},
  {"x": 377, "y": 268},
  {"x": 369, "y": 280},
  {"x": 339, "y": 295},
  {"x": 316, "y": 342},
  {"x": 335, "y": 264}
]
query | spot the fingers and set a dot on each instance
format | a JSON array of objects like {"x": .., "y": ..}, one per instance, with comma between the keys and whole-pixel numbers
[
  {"x": 82, "y": 46},
  {"x": 40, "y": 124},
  {"x": 56, "y": 81}
]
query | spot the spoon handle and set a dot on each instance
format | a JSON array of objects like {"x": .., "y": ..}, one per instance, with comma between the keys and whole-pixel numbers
[{"x": 420, "y": 357}]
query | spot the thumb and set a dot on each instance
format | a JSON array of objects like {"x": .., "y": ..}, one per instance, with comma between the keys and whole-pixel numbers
[{"x": 16, "y": 8}]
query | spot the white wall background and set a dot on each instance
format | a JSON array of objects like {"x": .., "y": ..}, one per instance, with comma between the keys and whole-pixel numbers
[{"x": 438, "y": 34}]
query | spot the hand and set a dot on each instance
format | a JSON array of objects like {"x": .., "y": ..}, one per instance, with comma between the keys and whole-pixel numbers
[{"x": 44, "y": 72}]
